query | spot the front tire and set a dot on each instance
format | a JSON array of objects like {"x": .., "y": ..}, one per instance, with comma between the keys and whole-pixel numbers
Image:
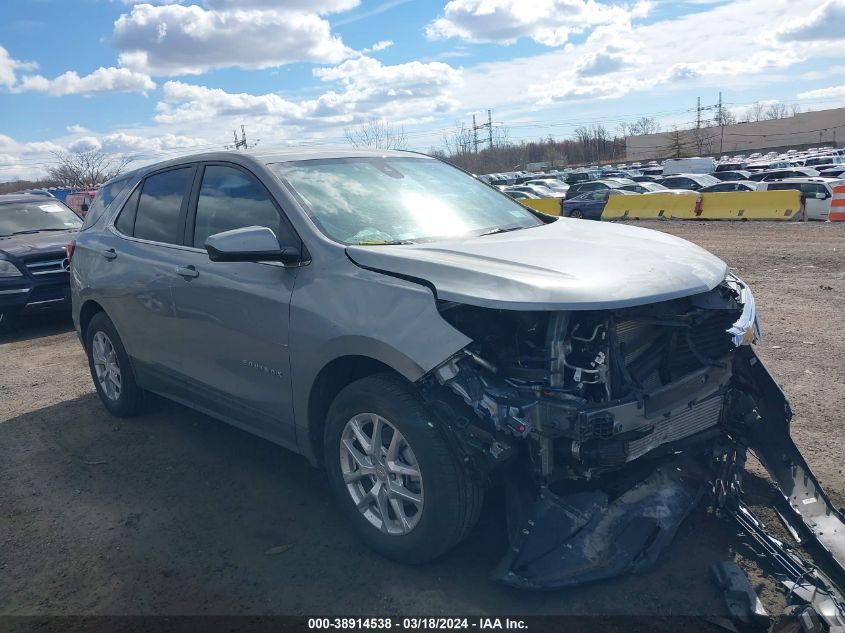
[
  {"x": 399, "y": 484},
  {"x": 8, "y": 322},
  {"x": 111, "y": 369},
  {"x": 576, "y": 213}
]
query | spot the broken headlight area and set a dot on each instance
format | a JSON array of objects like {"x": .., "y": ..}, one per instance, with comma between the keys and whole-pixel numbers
[
  {"x": 590, "y": 391},
  {"x": 608, "y": 426}
]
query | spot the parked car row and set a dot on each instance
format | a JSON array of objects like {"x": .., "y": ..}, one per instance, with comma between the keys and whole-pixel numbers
[{"x": 813, "y": 172}]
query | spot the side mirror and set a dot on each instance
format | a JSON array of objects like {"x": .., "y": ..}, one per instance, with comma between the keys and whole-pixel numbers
[
  {"x": 821, "y": 196},
  {"x": 249, "y": 244}
]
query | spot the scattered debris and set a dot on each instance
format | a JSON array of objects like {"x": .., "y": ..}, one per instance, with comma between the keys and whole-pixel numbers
[
  {"x": 743, "y": 603},
  {"x": 278, "y": 549}
]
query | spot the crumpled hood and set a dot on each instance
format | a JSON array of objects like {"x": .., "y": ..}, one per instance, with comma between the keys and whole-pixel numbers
[
  {"x": 35, "y": 243},
  {"x": 565, "y": 265}
]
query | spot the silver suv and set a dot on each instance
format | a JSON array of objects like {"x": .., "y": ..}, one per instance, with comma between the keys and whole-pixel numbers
[{"x": 425, "y": 339}]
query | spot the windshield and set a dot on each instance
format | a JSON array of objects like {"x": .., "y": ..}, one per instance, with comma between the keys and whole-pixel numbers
[
  {"x": 386, "y": 200},
  {"x": 45, "y": 214}
]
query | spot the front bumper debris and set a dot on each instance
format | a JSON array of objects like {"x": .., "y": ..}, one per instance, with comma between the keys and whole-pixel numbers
[
  {"x": 767, "y": 435},
  {"x": 584, "y": 536}
]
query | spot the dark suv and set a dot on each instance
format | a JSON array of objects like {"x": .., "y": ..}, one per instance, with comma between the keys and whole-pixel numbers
[{"x": 34, "y": 233}]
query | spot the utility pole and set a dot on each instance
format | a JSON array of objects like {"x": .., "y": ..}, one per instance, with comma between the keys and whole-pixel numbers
[
  {"x": 721, "y": 124},
  {"x": 488, "y": 125},
  {"x": 240, "y": 143},
  {"x": 698, "y": 115}
]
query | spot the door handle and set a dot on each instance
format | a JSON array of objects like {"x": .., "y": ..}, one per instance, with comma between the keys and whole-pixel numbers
[
  {"x": 109, "y": 254},
  {"x": 187, "y": 272}
]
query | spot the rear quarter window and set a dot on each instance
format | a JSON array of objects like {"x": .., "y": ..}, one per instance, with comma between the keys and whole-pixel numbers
[{"x": 105, "y": 196}]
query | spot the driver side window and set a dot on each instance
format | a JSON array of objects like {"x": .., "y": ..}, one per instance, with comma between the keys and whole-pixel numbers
[{"x": 231, "y": 199}]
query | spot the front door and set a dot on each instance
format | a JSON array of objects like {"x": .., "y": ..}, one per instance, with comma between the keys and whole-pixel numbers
[{"x": 233, "y": 317}]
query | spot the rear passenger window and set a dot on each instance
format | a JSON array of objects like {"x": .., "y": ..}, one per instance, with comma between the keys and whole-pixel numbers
[
  {"x": 160, "y": 206},
  {"x": 126, "y": 220},
  {"x": 231, "y": 199}
]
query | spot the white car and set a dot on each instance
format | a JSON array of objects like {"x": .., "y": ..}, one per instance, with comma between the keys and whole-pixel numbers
[
  {"x": 691, "y": 182},
  {"x": 816, "y": 193}
]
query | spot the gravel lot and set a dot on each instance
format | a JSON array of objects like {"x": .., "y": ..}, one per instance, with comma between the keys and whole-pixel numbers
[{"x": 175, "y": 513}]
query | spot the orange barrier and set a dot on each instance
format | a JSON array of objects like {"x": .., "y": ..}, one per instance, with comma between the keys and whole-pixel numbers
[{"x": 837, "y": 205}]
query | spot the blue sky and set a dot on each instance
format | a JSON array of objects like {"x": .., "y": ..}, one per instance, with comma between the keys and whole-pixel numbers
[{"x": 153, "y": 80}]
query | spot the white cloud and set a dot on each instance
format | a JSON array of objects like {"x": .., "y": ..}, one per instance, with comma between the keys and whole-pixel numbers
[
  {"x": 175, "y": 39},
  {"x": 594, "y": 64},
  {"x": 183, "y": 102},
  {"x": 374, "y": 89},
  {"x": 124, "y": 143},
  {"x": 8, "y": 144},
  {"x": 321, "y": 7},
  {"x": 101, "y": 80},
  {"x": 824, "y": 93},
  {"x": 368, "y": 89},
  {"x": 823, "y": 23},
  {"x": 85, "y": 144},
  {"x": 378, "y": 46},
  {"x": 9, "y": 68},
  {"x": 712, "y": 47},
  {"x": 547, "y": 22},
  {"x": 76, "y": 129}
]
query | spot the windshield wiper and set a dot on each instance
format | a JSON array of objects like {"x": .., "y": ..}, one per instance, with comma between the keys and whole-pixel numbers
[
  {"x": 384, "y": 242},
  {"x": 30, "y": 231},
  {"x": 503, "y": 230}
]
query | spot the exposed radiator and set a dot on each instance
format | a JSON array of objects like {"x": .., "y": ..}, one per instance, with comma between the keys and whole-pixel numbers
[{"x": 679, "y": 425}]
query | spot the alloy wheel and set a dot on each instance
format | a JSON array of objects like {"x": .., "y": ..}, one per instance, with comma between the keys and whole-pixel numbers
[
  {"x": 381, "y": 473},
  {"x": 106, "y": 365}
]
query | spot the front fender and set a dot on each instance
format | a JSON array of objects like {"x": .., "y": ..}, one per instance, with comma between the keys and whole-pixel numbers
[{"x": 350, "y": 311}]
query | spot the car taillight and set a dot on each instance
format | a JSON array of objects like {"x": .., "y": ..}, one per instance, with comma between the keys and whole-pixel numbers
[{"x": 69, "y": 249}]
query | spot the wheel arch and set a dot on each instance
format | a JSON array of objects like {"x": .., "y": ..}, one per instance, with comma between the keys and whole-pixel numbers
[
  {"x": 330, "y": 380},
  {"x": 86, "y": 313}
]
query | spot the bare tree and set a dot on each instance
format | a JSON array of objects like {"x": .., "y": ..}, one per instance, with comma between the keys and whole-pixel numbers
[
  {"x": 703, "y": 138},
  {"x": 643, "y": 125},
  {"x": 723, "y": 116},
  {"x": 86, "y": 170},
  {"x": 459, "y": 140},
  {"x": 794, "y": 109},
  {"x": 754, "y": 113},
  {"x": 776, "y": 111},
  {"x": 378, "y": 134}
]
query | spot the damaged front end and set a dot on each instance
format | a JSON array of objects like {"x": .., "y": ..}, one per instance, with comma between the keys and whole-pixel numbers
[{"x": 610, "y": 425}]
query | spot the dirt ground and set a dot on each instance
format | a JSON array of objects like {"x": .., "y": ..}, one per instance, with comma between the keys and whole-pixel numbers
[{"x": 175, "y": 513}]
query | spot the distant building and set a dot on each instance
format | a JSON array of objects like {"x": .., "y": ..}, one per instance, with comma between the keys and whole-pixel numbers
[{"x": 807, "y": 129}]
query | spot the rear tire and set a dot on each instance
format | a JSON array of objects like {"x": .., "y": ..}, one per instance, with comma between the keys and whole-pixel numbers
[
  {"x": 576, "y": 213},
  {"x": 111, "y": 369},
  {"x": 409, "y": 471}
]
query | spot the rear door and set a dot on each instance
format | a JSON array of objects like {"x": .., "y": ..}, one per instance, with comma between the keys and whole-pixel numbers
[
  {"x": 231, "y": 318},
  {"x": 137, "y": 264}
]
